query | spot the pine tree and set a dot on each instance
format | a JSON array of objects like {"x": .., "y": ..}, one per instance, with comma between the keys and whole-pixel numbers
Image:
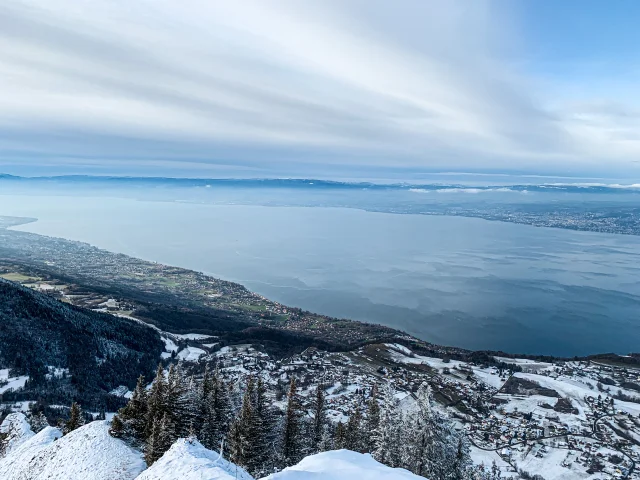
[
  {"x": 340, "y": 437},
  {"x": 354, "y": 432},
  {"x": 217, "y": 412},
  {"x": 176, "y": 405},
  {"x": 202, "y": 406},
  {"x": 264, "y": 431},
  {"x": 327, "y": 441},
  {"x": 242, "y": 441},
  {"x": 434, "y": 449},
  {"x": 160, "y": 440},
  {"x": 133, "y": 416},
  {"x": 387, "y": 439},
  {"x": 153, "y": 451},
  {"x": 373, "y": 419},
  {"x": 37, "y": 421},
  {"x": 291, "y": 441},
  {"x": 117, "y": 428},
  {"x": 156, "y": 402},
  {"x": 319, "y": 418},
  {"x": 76, "y": 419}
]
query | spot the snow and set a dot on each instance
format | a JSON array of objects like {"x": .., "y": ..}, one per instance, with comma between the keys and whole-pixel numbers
[
  {"x": 189, "y": 460},
  {"x": 56, "y": 372},
  {"x": 489, "y": 378},
  {"x": 15, "y": 383},
  {"x": 342, "y": 465},
  {"x": 169, "y": 345},
  {"x": 15, "y": 464},
  {"x": 526, "y": 364},
  {"x": 486, "y": 458},
  {"x": 436, "y": 363},
  {"x": 88, "y": 453},
  {"x": 191, "y": 354},
  {"x": 15, "y": 424},
  {"x": 576, "y": 391},
  {"x": 399, "y": 348},
  {"x": 194, "y": 336}
]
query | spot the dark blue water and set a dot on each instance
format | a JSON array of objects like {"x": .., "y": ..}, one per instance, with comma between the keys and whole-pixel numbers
[{"x": 450, "y": 280}]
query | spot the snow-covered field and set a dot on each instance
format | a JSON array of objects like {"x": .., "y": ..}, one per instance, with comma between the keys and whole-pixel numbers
[{"x": 13, "y": 383}]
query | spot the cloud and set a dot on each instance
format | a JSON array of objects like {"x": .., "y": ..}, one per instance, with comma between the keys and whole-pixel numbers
[{"x": 282, "y": 86}]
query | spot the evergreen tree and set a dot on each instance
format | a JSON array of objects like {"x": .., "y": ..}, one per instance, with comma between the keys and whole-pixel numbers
[
  {"x": 387, "y": 438},
  {"x": 291, "y": 438},
  {"x": 434, "y": 449},
  {"x": 319, "y": 418},
  {"x": 216, "y": 410},
  {"x": 156, "y": 402},
  {"x": 160, "y": 440},
  {"x": 327, "y": 441},
  {"x": 242, "y": 436},
  {"x": 354, "y": 432},
  {"x": 373, "y": 419},
  {"x": 133, "y": 416},
  {"x": 176, "y": 404},
  {"x": 264, "y": 423},
  {"x": 37, "y": 421},
  {"x": 76, "y": 419},
  {"x": 340, "y": 437},
  {"x": 117, "y": 428},
  {"x": 202, "y": 406}
]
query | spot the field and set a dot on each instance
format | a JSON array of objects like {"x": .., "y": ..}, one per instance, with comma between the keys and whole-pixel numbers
[{"x": 17, "y": 277}]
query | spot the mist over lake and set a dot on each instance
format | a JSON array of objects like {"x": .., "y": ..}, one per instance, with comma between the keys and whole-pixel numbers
[{"x": 458, "y": 281}]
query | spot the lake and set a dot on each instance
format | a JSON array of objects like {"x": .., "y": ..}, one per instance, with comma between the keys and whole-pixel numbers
[{"x": 450, "y": 280}]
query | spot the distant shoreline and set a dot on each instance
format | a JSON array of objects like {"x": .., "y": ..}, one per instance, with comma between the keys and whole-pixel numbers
[{"x": 8, "y": 222}]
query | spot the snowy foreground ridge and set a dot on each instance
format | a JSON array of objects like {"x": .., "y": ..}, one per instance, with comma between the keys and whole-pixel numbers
[
  {"x": 342, "y": 465},
  {"x": 90, "y": 453}
]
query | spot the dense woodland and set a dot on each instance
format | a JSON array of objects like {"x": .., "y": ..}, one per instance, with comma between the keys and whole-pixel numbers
[
  {"x": 262, "y": 437},
  {"x": 92, "y": 352}
]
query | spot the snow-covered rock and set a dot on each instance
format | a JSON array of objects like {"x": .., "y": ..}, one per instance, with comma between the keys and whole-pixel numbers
[
  {"x": 88, "y": 453},
  {"x": 18, "y": 430},
  {"x": 189, "y": 460},
  {"x": 15, "y": 465},
  {"x": 342, "y": 465}
]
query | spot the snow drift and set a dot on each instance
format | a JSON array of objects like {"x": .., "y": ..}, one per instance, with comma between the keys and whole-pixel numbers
[
  {"x": 342, "y": 465},
  {"x": 15, "y": 466},
  {"x": 189, "y": 460},
  {"x": 88, "y": 453}
]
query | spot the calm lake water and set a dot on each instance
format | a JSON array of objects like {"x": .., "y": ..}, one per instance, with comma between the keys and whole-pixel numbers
[{"x": 450, "y": 280}]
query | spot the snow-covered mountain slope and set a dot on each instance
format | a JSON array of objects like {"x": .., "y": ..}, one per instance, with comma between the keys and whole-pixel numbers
[
  {"x": 342, "y": 465},
  {"x": 189, "y": 460},
  {"x": 18, "y": 430},
  {"x": 88, "y": 453}
]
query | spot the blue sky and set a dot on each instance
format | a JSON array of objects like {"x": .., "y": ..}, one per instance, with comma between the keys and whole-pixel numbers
[{"x": 332, "y": 89}]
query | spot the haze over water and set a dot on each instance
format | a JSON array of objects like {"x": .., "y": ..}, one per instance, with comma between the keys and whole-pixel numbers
[{"x": 450, "y": 280}]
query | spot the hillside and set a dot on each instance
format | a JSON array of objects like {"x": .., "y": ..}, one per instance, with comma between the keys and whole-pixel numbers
[
  {"x": 69, "y": 353},
  {"x": 90, "y": 453}
]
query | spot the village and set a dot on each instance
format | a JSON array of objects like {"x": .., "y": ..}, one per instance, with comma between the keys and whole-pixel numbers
[{"x": 545, "y": 419}]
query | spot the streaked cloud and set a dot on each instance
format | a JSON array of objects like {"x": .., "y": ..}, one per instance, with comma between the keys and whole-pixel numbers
[{"x": 258, "y": 87}]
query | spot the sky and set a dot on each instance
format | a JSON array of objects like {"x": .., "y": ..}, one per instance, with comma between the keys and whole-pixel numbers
[{"x": 331, "y": 89}]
